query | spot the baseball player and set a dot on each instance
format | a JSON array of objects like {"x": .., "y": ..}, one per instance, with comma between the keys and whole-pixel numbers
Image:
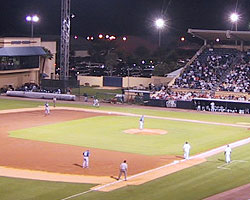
[
  {"x": 96, "y": 103},
  {"x": 123, "y": 170},
  {"x": 47, "y": 111},
  {"x": 54, "y": 101},
  {"x": 142, "y": 122},
  {"x": 212, "y": 104},
  {"x": 227, "y": 154},
  {"x": 86, "y": 155},
  {"x": 186, "y": 149}
]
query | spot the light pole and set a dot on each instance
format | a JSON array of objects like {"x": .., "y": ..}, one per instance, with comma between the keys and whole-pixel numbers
[
  {"x": 160, "y": 24},
  {"x": 32, "y": 19},
  {"x": 234, "y": 18}
]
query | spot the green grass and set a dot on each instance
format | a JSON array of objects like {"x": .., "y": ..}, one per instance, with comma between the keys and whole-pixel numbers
[
  {"x": 23, "y": 189},
  {"x": 6, "y": 104},
  {"x": 194, "y": 183},
  {"x": 94, "y": 91},
  {"x": 106, "y": 132}
]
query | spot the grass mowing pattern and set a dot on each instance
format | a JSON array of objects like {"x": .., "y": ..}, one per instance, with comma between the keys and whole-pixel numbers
[
  {"x": 6, "y": 104},
  {"x": 23, "y": 189},
  {"x": 194, "y": 183},
  {"x": 106, "y": 132}
]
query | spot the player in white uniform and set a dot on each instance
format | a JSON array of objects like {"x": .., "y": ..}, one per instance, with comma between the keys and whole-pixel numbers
[
  {"x": 47, "y": 111},
  {"x": 212, "y": 104},
  {"x": 54, "y": 101},
  {"x": 86, "y": 155},
  {"x": 186, "y": 149},
  {"x": 123, "y": 170},
  {"x": 96, "y": 102},
  {"x": 227, "y": 154},
  {"x": 142, "y": 122}
]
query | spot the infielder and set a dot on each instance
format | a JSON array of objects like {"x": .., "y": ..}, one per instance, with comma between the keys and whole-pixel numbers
[
  {"x": 47, "y": 111},
  {"x": 227, "y": 154},
  {"x": 142, "y": 122},
  {"x": 123, "y": 170},
  {"x": 86, "y": 155},
  {"x": 186, "y": 149}
]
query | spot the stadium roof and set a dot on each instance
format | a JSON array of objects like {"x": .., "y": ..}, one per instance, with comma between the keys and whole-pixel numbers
[
  {"x": 22, "y": 51},
  {"x": 223, "y": 35}
]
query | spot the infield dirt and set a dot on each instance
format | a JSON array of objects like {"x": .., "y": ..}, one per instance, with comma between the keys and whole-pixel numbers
[{"x": 60, "y": 158}]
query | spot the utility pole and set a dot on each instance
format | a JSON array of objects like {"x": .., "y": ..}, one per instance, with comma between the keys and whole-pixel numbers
[{"x": 65, "y": 39}]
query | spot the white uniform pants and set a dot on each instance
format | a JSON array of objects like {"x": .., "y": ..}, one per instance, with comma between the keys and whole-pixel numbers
[
  {"x": 228, "y": 158},
  {"x": 85, "y": 163},
  {"x": 186, "y": 154},
  {"x": 141, "y": 125},
  {"x": 47, "y": 111},
  {"x": 123, "y": 172}
]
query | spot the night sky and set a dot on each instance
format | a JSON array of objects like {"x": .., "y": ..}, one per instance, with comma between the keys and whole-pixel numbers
[{"x": 121, "y": 17}]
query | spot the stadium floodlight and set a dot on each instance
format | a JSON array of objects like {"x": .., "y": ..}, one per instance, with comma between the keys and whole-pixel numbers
[
  {"x": 160, "y": 24},
  {"x": 32, "y": 19},
  {"x": 234, "y": 17}
]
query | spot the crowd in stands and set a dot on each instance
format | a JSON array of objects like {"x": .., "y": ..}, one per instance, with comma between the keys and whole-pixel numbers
[
  {"x": 238, "y": 80},
  {"x": 207, "y": 69},
  {"x": 168, "y": 94}
]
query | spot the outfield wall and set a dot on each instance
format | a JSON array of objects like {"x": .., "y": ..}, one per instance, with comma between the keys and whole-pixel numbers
[
  {"x": 91, "y": 80},
  {"x": 126, "y": 81}
]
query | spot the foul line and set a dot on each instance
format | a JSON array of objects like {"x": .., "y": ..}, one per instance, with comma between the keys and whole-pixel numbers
[
  {"x": 234, "y": 161},
  {"x": 76, "y": 195},
  {"x": 130, "y": 177},
  {"x": 202, "y": 155},
  {"x": 154, "y": 117},
  {"x": 126, "y": 114}
]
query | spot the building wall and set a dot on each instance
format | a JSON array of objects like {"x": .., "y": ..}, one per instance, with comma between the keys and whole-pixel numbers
[
  {"x": 19, "y": 42},
  {"x": 17, "y": 79}
]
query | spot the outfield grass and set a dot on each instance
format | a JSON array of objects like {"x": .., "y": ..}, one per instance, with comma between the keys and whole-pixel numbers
[
  {"x": 95, "y": 91},
  {"x": 194, "y": 183},
  {"x": 6, "y": 104},
  {"x": 23, "y": 189},
  {"x": 106, "y": 132}
]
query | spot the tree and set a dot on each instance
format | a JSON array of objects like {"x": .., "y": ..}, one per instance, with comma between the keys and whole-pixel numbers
[
  {"x": 163, "y": 68},
  {"x": 141, "y": 52},
  {"x": 47, "y": 56},
  {"x": 111, "y": 61}
]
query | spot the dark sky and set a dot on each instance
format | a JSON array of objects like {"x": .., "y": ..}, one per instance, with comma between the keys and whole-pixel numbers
[{"x": 121, "y": 17}]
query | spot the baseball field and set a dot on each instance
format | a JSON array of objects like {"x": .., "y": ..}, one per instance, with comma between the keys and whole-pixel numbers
[{"x": 41, "y": 157}]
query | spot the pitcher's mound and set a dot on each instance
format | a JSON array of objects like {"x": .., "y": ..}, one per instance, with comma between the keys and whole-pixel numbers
[{"x": 146, "y": 131}]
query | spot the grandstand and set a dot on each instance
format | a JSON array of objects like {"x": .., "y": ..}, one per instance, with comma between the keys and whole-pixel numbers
[{"x": 219, "y": 70}]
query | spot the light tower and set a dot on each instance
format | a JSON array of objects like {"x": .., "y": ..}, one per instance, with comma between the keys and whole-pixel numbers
[
  {"x": 65, "y": 39},
  {"x": 160, "y": 24}
]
